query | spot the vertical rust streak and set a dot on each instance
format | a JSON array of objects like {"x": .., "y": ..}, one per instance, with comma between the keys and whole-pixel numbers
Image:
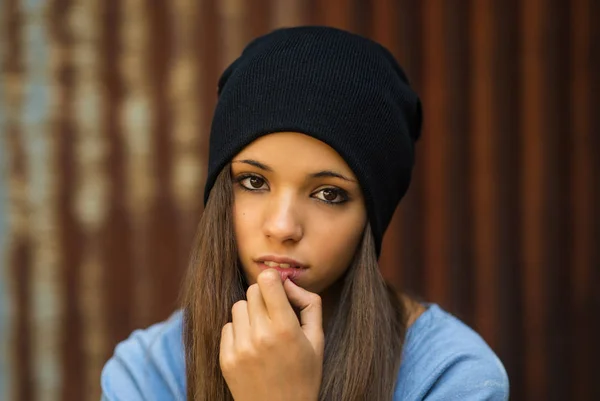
[
  {"x": 391, "y": 254},
  {"x": 507, "y": 113},
  {"x": 209, "y": 56},
  {"x": 532, "y": 191},
  {"x": 91, "y": 185},
  {"x": 117, "y": 236},
  {"x": 288, "y": 13},
  {"x": 582, "y": 202},
  {"x": 434, "y": 157},
  {"x": 21, "y": 262},
  {"x": 484, "y": 173},
  {"x": 408, "y": 19},
  {"x": 71, "y": 251},
  {"x": 45, "y": 286},
  {"x": 137, "y": 118},
  {"x": 336, "y": 13},
  {"x": 19, "y": 249},
  {"x": 233, "y": 36},
  {"x": 259, "y": 18},
  {"x": 200, "y": 130},
  {"x": 557, "y": 213},
  {"x": 183, "y": 105},
  {"x": 460, "y": 211},
  {"x": 163, "y": 217},
  {"x": 383, "y": 25},
  {"x": 73, "y": 360},
  {"x": 594, "y": 302},
  {"x": 410, "y": 49}
]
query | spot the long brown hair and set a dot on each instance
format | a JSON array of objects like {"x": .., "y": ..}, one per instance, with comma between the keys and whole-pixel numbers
[{"x": 364, "y": 338}]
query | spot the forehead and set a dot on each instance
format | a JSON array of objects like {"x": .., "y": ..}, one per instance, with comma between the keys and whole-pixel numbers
[{"x": 294, "y": 150}]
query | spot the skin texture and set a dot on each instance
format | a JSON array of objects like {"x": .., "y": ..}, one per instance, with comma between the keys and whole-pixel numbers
[
  {"x": 288, "y": 214},
  {"x": 265, "y": 353},
  {"x": 290, "y": 200}
]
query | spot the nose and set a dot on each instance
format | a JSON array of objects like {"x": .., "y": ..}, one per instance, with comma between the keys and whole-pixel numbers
[{"x": 281, "y": 221}]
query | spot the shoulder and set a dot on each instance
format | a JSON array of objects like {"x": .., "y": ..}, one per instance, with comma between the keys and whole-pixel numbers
[
  {"x": 149, "y": 365},
  {"x": 444, "y": 359}
]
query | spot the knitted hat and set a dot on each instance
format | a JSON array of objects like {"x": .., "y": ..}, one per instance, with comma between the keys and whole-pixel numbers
[{"x": 335, "y": 86}]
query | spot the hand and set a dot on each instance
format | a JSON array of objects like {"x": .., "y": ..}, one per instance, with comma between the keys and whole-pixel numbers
[{"x": 266, "y": 353}]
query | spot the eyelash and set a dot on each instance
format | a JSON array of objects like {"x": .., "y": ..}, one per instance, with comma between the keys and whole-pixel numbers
[{"x": 340, "y": 192}]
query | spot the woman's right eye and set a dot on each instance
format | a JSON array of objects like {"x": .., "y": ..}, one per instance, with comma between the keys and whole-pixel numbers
[{"x": 252, "y": 182}]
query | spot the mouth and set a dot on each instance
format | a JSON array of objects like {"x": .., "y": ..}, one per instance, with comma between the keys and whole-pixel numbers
[
  {"x": 282, "y": 262},
  {"x": 288, "y": 268},
  {"x": 276, "y": 265}
]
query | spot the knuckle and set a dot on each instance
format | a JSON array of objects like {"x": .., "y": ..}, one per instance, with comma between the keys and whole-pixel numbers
[
  {"x": 239, "y": 306},
  {"x": 252, "y": 291},
  {"x": 228, "y": 361},
  {"x": 226, "y": 328},
  {"x": 263, "y": 339},
  {"x": 315, "y": 299},
  {"x": 246, "y": 352}
]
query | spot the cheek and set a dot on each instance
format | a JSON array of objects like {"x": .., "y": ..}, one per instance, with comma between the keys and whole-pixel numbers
[
  {"x": 337, "y": 241},
  {"x": 244, "y": 224},
  {"x": 241, "y": 211}
]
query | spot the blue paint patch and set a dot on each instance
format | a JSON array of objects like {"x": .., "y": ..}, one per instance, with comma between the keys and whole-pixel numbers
[
  {"x": 36, "y": 125},
  {"x": 34, "y": 121}
]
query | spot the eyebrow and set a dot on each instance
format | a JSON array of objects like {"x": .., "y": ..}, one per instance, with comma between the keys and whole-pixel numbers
[
  {"x": 329, "y": 173},
  {"x": 255, "y": 163},
  {"x": 324, "y": 173}
]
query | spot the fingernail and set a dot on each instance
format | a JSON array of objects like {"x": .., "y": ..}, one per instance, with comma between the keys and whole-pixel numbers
[{"x": 272, "y": 274}]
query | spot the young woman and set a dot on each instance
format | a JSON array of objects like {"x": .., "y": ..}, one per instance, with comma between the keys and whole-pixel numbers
[{"x": 311, "y": 149}]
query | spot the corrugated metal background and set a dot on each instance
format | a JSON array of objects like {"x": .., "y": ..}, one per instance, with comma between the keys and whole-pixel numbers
[{"x": 105, "y": 107}]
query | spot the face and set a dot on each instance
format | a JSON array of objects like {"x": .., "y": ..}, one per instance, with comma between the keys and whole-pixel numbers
[{"x": 298, "y": 208}]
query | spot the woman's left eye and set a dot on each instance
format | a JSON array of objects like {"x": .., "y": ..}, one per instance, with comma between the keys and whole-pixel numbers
[{"x": 331, "y": 195}]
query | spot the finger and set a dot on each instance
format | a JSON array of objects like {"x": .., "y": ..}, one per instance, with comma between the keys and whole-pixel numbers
[
  {"x": 239, "y": 318},
  {"x": 276, "y": 301},
  {"x": 227, "y": 344},
  {"x": 257, "y": 310},
  {"x": 311, "y": 312}
]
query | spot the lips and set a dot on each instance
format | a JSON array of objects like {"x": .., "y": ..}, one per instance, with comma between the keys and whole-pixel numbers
[
  {"x": 281, "y": 262},
  {"x": 288, "y": 268},
  {"x": 282, "y": 265}
]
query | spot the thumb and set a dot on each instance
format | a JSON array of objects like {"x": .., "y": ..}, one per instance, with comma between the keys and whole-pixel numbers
[{"x": 311, "y": 313}]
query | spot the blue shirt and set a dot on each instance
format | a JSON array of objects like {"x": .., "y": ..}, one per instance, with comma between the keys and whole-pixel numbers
[{"x": 442, "y": 359}]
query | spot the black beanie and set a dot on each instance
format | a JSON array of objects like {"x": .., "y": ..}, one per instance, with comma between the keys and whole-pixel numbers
[{"x": 335, "y": 86}]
